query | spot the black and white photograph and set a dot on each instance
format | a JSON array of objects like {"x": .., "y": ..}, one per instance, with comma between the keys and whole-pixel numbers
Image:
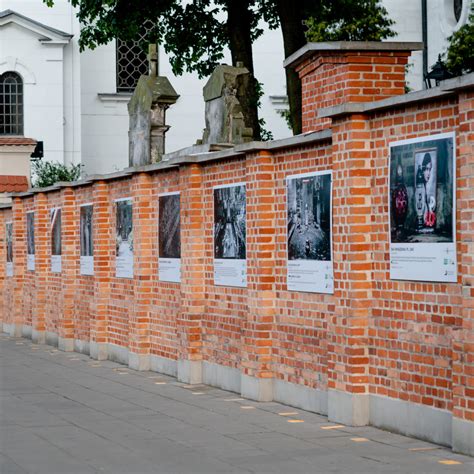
[
  {"x": 56, "y": 245},
  {"x": 87, "y": 252},
  {"x": 422, "y": 209},
  {"x": 309, "y": 232},
  {"x": 124, "y": 238},
  {"x": 9, "y": 242},
  {"x": 169, "y": 232},
  {"x": 30, "y": 241},
  {"x": 230, "y": 229}
]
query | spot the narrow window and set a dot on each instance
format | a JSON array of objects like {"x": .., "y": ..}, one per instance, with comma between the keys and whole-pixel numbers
[{"x": 11, "y": 104}]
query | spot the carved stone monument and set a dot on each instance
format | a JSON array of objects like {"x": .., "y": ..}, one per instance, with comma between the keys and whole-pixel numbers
[
  {"x": 147, "y": 111},
  {"x": 224, "y": 117}
]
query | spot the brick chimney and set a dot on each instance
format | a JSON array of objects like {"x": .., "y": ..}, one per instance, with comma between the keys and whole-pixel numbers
[{"x": 339, "y": 72}]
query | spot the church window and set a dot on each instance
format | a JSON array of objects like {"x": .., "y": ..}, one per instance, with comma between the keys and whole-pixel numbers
[{"x": 11, "y": 104}]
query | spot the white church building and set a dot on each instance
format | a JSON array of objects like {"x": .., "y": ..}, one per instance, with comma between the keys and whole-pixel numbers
[{"x": 76, "y": 103}]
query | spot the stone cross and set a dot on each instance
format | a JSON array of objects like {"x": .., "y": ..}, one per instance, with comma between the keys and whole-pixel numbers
[{"x": 152, "y": 60}]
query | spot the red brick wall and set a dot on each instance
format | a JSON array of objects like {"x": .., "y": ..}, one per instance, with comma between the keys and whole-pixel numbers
[
  {"x": 331, "y": 78},
  {"x": 412, "y": 322},
  {"x": 406, "y": 340}
]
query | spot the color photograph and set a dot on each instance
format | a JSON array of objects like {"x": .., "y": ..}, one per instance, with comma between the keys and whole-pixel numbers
[
  {"x": 421, "y": 189},
  {"x": 422, "y": 209}
]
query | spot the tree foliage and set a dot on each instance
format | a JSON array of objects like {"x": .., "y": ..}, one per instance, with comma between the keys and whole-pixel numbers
[
  {"x": 460, "y": 54},
  {"x": 195, "y": 33},
  {"x": 349, "y": 20},
  {"x": 47, "y": 173}
]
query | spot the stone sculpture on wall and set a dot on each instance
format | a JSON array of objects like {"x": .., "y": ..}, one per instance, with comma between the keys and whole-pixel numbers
[{"x": 147, "y": 111}]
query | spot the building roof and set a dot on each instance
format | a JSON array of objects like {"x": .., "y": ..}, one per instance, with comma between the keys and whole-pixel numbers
[
  {"x": 17, "y": 141},
  {"x": 13, "y": 184},
  {"x": 51, "y": 35}
]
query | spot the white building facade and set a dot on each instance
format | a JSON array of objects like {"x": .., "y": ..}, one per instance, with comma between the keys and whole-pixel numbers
[{"x": 74, "y": 104}]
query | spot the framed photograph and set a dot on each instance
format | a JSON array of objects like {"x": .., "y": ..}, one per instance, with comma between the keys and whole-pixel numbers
[
  {"x": 309, "y": 233},
  {"x": 124, "y": 238},
  {"x": 87, "y": 250},
  {"x": 30, "y": 241},
  {"x": 230, "y": 234},
  {"x": 169, "y": 237},
  {"x": 423, "y": 209},
  {"x": 9, "y": 242},
  {"x": 56, "y": 244}
]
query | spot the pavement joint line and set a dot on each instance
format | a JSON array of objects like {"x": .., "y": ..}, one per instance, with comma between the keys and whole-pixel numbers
[
  {"x": 332, "y": 427},
  {"x": 428, "y": 448},
  {"x": 449, "y": 462}
]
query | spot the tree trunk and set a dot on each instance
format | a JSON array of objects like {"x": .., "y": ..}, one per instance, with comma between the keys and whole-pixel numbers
[
  {"x": 240, "y": 43},
  {"x": 291, "y": 18}
]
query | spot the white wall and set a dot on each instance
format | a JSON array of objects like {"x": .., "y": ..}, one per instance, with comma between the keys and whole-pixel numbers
[{"x": 62, "y": 103}]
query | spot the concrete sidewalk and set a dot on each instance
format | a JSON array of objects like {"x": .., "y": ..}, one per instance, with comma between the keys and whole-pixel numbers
[{"x": 65, "y": 413}]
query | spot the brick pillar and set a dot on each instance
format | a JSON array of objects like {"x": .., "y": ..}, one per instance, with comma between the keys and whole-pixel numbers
[
  {"x": 463, "y": 339},
  {"x": 104, "y": 252},
  {"x": 348, "y": 338},
  {"x": 193, "y": 290},
  {"x": 70, "y": 263},
  {"x": 336, "y": 73},
  {"x": 19, "y": 263},
  {"x": 42, "y": 263},
  {"x": 144, "y": 267},
  {"x": 256, "y": 356}
]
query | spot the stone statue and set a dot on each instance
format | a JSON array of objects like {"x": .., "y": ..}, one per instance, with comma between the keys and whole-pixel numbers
[
  {"x": 224, "y": 117},
  {"x": 147, "y": 111}
]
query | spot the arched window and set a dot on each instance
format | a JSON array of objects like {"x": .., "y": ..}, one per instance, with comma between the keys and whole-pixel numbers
[{"x": 11, "y": 104}]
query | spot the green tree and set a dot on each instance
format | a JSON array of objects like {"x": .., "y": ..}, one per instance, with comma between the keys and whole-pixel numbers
[
  {"x": 47, "y": 173},
  {"x": 195, "y": 33},
  {"x": 460, "y": 54}
]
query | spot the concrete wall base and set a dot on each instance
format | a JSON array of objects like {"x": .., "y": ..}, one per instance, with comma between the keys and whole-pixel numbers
[
  {"x": 257, "y": 389},
  {"x": 463, "y": 436},
  {"x": 189, "y": 371},
  {"x": 117, "y": 353},
  {"x": 26, "y": 331},
  {"x": 13, "y": 330},
  {"x": 163, "y": 365},
  {"x": 221, "y": 376},
  {"x": 138, "y": 361},
  {"x": 412, "y": 419},
  {"x": 299, "y": 396},
  {"x": 65, "y": 344},
  {"x": 348, "y": 408},
  {"x": 83, "y": 347},
  {"x": 98, "y": 350},
  {"x": 52, "y": 339},
  {"x": 38, "y": 337}
]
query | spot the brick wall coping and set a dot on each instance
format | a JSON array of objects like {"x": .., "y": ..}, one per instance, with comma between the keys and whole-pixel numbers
[
  {"x": 236, "y": 152},
  {"x": 310, "y": 48},
  {"x": 445, "y": 89}
]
